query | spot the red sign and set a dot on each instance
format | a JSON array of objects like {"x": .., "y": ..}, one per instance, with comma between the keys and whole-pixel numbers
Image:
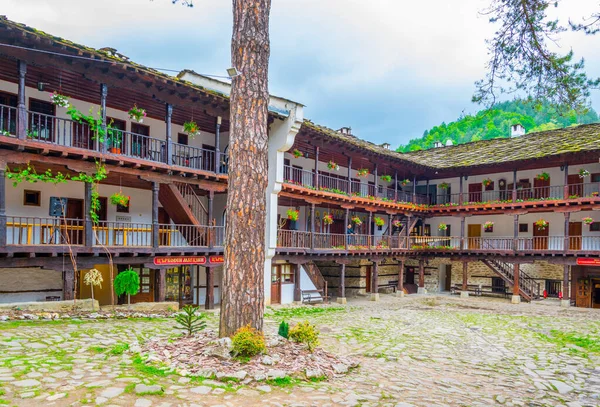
[
  {"x": 178, "y": 261},
  {"x": 588, "y": 262},
  {"x": 216, "y": 259}
]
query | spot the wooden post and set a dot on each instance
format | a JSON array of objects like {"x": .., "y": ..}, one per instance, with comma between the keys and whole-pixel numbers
[
  {"x": 88, "y": 230},
  {"x": 342, "y": 288},
  {"x": 169, "y": 149},
  {"x": 463, "y": 220},
  {"x": 155, "y": 225},
  {"x": 566, "y": 182},
  {"x": 516, "y": 232},
  {"x": 396, "y": 185},
  {"x": 375, "y": 281},
  {"x": 317, "y": 167},
  {"x": 68, "y": 284},
  {"x": 218, "y": 145},
  {"x": 421, "y": 289},
  {"x": 376, "y": 181},
  {"x": 349, "y": 191},
  {"x": 102, "y": 145},
  {"x": 346, "y": 223},
  {"x": 516, "y": 298},
  {"x": 21, "y": 108},
  {"x": 460, "y": 190},
  {"x": 414, "y": 188},
  {"x": 567, "y": 237},
  {"x": 211, "y": 196},
  {"x": 370, "y": 231},
  {"x": 162, "y": 285},
  {"x": 312, "y": 226},
  {"x": 3, "y": 231},
  {"x": 297, "y": 287},
  {"x": 565, "y": 302},
  {"x": 210, "y": 288},
  {"x": 197, "y": 285},
  {"x": 465, "y": 280},
  {"x": 427, "y": 193},
  {"x": 514, "y": 190},
  {"x": 407, "y": 231},
  {"x": 400, "y": 286}
]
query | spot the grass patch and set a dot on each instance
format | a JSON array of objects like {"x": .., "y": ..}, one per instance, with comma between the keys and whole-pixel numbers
[
  {"x": 304, "y": 311},
  {"x": 564, "y": 339},
  {"x": 318, "y": 379},
  {"x": 149, "y": 369},
  {"x": 119, "y": 349},
  {"x": 97, "y": 349},
  {"x": 281, "y": 382}
]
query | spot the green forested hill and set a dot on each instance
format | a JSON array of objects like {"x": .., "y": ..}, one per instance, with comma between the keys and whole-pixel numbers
[{"x": 495, "y": 122}]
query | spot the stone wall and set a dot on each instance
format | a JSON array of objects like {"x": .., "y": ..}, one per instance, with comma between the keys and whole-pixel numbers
[{"x": 356, "y": 275}]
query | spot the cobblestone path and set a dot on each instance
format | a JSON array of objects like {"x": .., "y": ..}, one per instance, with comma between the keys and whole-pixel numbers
[{"x": 414, "y": 351}]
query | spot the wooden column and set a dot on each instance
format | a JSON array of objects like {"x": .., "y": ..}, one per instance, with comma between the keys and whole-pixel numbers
[
  {"x": 21, "y": 107},
  {"x": 162, "y": 285},
  {"x": 342, "y": 287},
  {"x": 102, "y": 146},
  {"x": 516, "y": 232},
  {"x": 155, "y": 225},
  {"x": 565, "y": 284},
  {"x": 312, "y": 225},
  {"x": 376, "y": 181},
  {"x": 396, "y": 185},
  {"x": 566, "y": 182},
  {"x": 2, "y": 207},
  {"x": 210, "y": 288},
  {"x": 197, "y": 284},
  {"x": 465, "y": 276},
  {"x": 514, "y": 190},
  {"x": 566, "y": 240},
  {"x": 427, "y": 193},
  {"x": 370, "y": 229},
  {"x": 460, "y": 190},
  {"x": 218, "y": 145},
  {"x": 317, "y": 167},
  {"x": 414, "y": 188},
  {"x": 211, "y": 197},
  {"x": 516, "y": 287},
  {"x": 346, "y": 222},
  {"x": 375, "y": 281},
  {"x": 463, "y": 222},
  {"x": 400, "y": 287},
  {"x": 349, "y": 191},
  {"x": 68, "y": 284},
  {"x": 88, "y": 230},
  {"x": 407, "y": 231},
  {"x": 169, "y": 149},
  {"x": 421, "y": 275},
  {"x": 297, "y": 287}
]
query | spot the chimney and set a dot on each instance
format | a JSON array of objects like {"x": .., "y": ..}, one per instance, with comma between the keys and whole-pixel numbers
[
  {"x": 449, "y": 143},
  {"x": 386, "y": 146},
  {"x": 516, "y": 130},
  {"x": 346, "y": 130},
  {"x": 437, "y": 144}
]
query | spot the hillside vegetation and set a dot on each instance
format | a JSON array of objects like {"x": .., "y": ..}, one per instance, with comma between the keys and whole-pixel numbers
[{"x": 495, "y": 123}]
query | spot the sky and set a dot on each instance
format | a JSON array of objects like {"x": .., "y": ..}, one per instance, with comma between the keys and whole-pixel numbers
[{"x": 389, "y": 69}]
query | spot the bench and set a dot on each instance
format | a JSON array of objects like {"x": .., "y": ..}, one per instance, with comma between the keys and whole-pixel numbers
[
  {"x": 313, "y": 296},
  {"x": 390, "y": 284},
  {"x": 480, "y": 290}
]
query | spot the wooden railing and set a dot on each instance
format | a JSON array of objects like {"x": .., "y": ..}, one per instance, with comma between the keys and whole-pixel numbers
[
  {"x": 196, "y": 158},
  {"x": 123, "y": 234},
  {"x": 8, "y": 120},
  {"x": 29, "y": 231},
  {"x": 194, "y": 202},
  {"x": 293, "y": 239}
]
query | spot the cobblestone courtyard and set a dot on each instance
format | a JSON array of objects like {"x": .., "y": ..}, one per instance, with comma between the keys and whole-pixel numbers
[{"x": 421, "y": 351}]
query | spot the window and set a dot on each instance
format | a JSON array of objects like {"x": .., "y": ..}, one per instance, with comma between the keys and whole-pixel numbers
[
  {"x": 595, "y": 227},
  {"x": 32, "y": 198},
  {"x": 523, "y": 227},
  {"x": 41, "y": 120},
  {"x": 182, "y": 138},
  {"x": 595, "y": 177},
  {"x": 287, "y": 274},
  {"x": 103, "y": 208}
]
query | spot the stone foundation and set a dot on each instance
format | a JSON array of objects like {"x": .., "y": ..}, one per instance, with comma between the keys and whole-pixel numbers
[{"x": 52, "y": 306}]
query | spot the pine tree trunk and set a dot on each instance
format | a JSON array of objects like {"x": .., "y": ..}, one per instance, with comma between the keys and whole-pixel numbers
[{"x": 242, "y": 300}]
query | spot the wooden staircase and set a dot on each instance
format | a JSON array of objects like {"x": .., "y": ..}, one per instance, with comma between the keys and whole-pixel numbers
[
  {"x": 315, "y": 275},
  {"x": 401, "y": 231},
  {"x": 528, "y": 287}
]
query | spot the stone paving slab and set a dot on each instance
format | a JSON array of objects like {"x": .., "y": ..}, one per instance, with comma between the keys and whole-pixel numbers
[{"x": 414, "y": 351}]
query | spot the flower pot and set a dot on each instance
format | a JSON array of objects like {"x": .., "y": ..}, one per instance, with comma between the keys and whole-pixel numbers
[
  {"x": 293, "y": 224},
  {"x": 115, "y": 150}
]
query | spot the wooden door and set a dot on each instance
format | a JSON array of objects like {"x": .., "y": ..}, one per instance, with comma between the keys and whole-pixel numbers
[
  {"x": 81, "y": 136},
  {"x": 275, "y": 285},
  {"x": 584, "y": 293},
  {"x": 208, "y": 157},
  {"x": 541, "y": 188},
  {"x": 74, "y": 221},
  {"x": 448, "y": 281},
  {"x": 575, "y": 229},
  {"x": 475, "y": 194},
  {"x": 42, "y": 121},
  {"x": 575, "y": 185},
  {"x": 140, "y": 138},
  {"x": 410, "y": 275},
  {"x": 146, "y": 293},
  {"x": 368, "y": 277},
  {"x": 540, "y": 238},
  {"x": 474, "y": 236},
  {"x": 595, "y": 287}
]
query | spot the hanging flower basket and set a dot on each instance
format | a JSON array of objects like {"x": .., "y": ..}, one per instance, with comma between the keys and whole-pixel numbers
[
  {"x": 588, "y": 220},
  {"x": 119, "y": 199},
  {"x": 544, "y": 176},
  {"x": 333, "y": 166},
  {"x": 293, "y": 214},
  {"x": 356, "y": 220},
  {"x": 297, "y": 153},
  {"x": 137, "y": 114},
  {"x": 541, "y": 224},
  {"x": 327, "y": 219},
  {"x": 444, "y": 185},
  {"x": 487, "y": 182},
  {"x": 362, "y": 172},
  {"x": 397, "y": 223},
  {"x": 442, "y": 226},
  {"x": 191, "y": 128},
  {"x": 59, "y": 100},
  {"x": 378, "y": 221},
  {"x": 583, "y": 173},
  {"x": 386, "y": 178},
  {"x": 595, "y": 194},
  {"x": 405, "y": 182},
  {"x": 488, "y": 226}
]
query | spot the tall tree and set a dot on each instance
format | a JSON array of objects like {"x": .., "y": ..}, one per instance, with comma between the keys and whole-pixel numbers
[
  {"x": 242, "y": 299},
  {"x": 522, "y": 58}
]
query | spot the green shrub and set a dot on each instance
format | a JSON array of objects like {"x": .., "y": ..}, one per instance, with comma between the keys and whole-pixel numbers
[
  {"x": 305, "y": 333},
  {"x": 248, "y": 342},
  {"x": 284, "y": 329},
  {"x": 189, "y": 321},
  {"x": 127, "y": 282}
]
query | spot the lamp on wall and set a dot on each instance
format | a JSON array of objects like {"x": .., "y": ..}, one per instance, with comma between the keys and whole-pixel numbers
[
  {"x": 41, "y": 85},
  {"x": 562, "y": 167}
]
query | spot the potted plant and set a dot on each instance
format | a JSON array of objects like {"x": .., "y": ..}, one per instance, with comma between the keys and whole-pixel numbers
[
  {"x": 137, "y": 114},
  {"x": 544, "y": 176},
  {"x": 488, "y": 226},
  {"x": 541, "y": 224},
  {"x": 588, "y": 220},
  {"x": 594, "y": 194},
  {"x": 119, "y": 199},
  {"x": 386, "y": 178},
  {"x": 405, "y": 182},
  {"x": 356, "y": 220},
  {"x": 292, "y": 215},
  {"x": 362, "y": 172},
  {"x": 297, "y": 153},
  {"x": 378, "y": 221},
  {"x": 583, "y": 173},
  {"x": 127, "y": 282},
  {"x": 442, "y": 226},
  {"x": 59, "y": 100},
  {"x": 115, "y": 139},
  {"x": 444, "y": 185},
  {"x": 397, "y": 224},
  {"x": 191, "y": 129},
  {"x": 328, "y": 219},
  {"x": 333, "y": 166},
  {"x": 487, "y": 182}
]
